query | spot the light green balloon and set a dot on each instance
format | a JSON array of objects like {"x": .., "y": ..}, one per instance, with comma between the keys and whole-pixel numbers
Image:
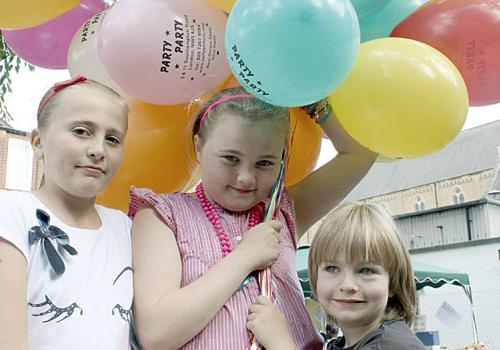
[
  {"x": 291, "y": 52},
  {"x": 379, "y": 24},
  {"x": 365, "y": 7}
]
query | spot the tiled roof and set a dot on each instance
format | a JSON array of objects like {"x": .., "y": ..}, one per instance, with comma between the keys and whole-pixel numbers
[{"x": 472, "y": 151}]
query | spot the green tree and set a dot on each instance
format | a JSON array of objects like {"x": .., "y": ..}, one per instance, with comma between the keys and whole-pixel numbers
[{"x": 9, "y": 63}]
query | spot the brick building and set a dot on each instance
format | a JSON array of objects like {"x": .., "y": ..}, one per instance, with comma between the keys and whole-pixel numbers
[{"x": 18, "y": 168}]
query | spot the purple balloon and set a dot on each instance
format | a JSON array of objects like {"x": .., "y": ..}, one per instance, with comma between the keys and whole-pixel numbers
[{"x": 46, "y": 45}]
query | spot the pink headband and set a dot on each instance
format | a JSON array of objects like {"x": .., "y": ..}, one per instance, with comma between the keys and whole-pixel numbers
[
  {"x": 58, "y": 87},
  {"x": 222, "y": 100}
]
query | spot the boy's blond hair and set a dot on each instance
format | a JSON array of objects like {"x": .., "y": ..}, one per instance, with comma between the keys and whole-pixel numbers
[{"x": 366, "y": 232}]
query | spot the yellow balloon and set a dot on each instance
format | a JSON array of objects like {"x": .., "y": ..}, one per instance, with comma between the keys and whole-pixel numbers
[
  {"x": 17, "y": 14},
  {"x": 224, "y": 5},
  {"x": 403, "y": 98}
]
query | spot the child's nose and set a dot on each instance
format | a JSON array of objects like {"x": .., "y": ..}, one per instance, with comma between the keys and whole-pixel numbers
[
  {"x": 348, "y": 284},
  {"x": 96, "y": 149},
  {"x": 246, "y": 177}
]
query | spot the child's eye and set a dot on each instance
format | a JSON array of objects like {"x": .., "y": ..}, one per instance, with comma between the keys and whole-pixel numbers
[
  {"x": 331, "y": 268},
  {"x": 230, "y": 158},
  {"x": 366, "y": 271},
  {"x": 264, "y": 163},
  {"x": 113, "y": 140},
  {"x": 81, "y": 131}
]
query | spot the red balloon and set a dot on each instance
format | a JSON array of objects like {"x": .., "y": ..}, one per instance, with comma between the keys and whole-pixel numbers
[{"x": 468, "y": 33}]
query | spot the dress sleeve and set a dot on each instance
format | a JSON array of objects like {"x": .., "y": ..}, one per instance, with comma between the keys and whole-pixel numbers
[
  {"x": 161, "y": 203},
  {"x": 14, "y": 225}
]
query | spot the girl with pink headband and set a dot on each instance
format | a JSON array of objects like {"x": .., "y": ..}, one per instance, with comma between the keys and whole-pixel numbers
[
  {"x": 65, "y": 262},
  {"x": 195, "y": 254}
]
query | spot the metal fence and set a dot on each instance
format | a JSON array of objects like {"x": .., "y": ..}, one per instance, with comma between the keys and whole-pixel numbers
[{"x": 447, "y": 310}]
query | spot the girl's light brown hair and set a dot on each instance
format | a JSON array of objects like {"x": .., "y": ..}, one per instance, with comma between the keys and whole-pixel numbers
[
  {"x": 249, "y": 108},
  {"x": 367, "y": 233}
]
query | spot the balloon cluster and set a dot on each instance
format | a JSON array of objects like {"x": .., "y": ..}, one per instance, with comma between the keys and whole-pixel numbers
[
  {"x": 397, "y": 75},
  {"x": 469, "y": 37},
  {"x": 46, "y": 45}
]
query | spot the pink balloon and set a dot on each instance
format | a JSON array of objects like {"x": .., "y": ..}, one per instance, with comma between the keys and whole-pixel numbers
[
  {"x": 164, "y": 51},
  {"x": 47, "y": 45}
]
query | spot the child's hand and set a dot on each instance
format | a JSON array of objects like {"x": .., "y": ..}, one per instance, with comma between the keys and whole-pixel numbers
[
  {"x": 260, "y": 245},
  {"x": 269, "y": 326}
]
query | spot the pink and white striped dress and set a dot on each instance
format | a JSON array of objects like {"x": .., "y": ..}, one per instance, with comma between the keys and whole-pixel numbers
[{"x": 200, "y": 249}]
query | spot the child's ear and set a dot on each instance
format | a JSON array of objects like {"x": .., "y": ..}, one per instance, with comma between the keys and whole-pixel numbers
[
  {"x": 197, "y": 147},
  {"x": 36, "y": 143}
]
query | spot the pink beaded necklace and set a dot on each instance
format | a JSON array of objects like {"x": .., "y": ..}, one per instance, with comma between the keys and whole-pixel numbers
[{"x": 213, "y": 216}]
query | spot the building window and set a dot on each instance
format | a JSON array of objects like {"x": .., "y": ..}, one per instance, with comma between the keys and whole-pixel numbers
[
  {"x": 458, "y": 196},
  {"x": 419, "y": 204}
]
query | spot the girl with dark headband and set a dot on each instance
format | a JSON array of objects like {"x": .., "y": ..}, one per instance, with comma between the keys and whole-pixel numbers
[
  {"x": 65, "y": 262},
  {"x": 195, "y": 253}
]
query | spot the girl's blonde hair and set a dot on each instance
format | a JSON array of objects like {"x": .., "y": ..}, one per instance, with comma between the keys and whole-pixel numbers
[
  {"x": 45, "y": 111},
  {"x": 366, "y": 232}
]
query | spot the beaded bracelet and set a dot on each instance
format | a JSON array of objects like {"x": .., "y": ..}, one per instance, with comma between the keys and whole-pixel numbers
[
  {"x": 319, "y": 111},
  {"x": 323, "y": 114}
]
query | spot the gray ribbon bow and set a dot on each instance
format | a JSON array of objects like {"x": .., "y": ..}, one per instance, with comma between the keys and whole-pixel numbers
[{"x": 45, "y": 232}]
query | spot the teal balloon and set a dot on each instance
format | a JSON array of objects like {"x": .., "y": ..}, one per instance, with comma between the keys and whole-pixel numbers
[
  {"x": 379, "y": 24},
  {"x": 365, "y": 7},
  {"x": 291, "y": 52}
]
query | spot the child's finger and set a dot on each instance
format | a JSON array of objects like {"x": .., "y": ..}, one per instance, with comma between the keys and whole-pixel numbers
[
  {"x": 275, "y": 224},
  {"x": 255, "y": 308},
  {"x": 261, "y": 300},
  {"x": 251, "y": 317},
  {"x": 279, "y": 235}
]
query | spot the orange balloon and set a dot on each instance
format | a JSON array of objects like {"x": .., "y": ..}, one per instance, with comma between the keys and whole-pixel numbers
[
  {"x": 197, "y": 102},
  {"x": 224, "y": 5},
  {"x": 231, "y": 82},
  {"x": 306, "y": 145},
  {"x": 158, "y": 152}
]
